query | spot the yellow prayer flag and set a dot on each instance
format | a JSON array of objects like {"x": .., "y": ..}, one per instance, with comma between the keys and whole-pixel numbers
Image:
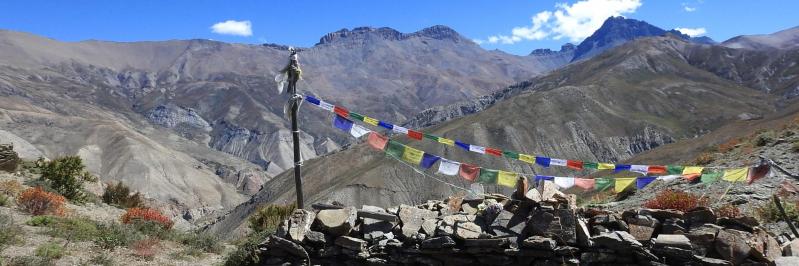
[
  {"x": 507, "y": 179},
  {"x": 412, "y": 155},
  {"x": 623, "y": 183},
  {"x": 370, "y": 120},
  {"x": 606, "y": 166},
  {"x": 527, "y": 158},
  {"x": 446, "y": 141},
  {"x": 735, "y": 175},
  {"x": 692, "y": 170}
]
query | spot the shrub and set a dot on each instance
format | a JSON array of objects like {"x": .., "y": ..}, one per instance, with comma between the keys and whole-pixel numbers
[
  {"x": 144, "y": 215},
  {"x": 728, "y": 210},
  {"x": 245, "y": 251},
  {"x": 9, "y": 232},
  {"x": 704, "y": 159},
  {"x": 268, "y": 218},
  {"x": 113, "y": 235},
  {"x": 3, "y": 200},
  {"x": 36, "y": 201},
  {"x": 102, "y": 259},
  {"x": 676, "y": 200},
  {"x": 10, "y": 188},
  {"x": 201, "y": 241},
  {"x": 66, "y": 176},
  {"x": 764, "y": 139},
  {"x": 41, "y": 220},
  {"x": 769, "y": 212},
  {"x": 73, "y": 229},
  {"x": 50, "y": 251},
  {"x": 29, "y": 261},
  {"x": 119, "y": 195},
  {"x": 729, "y": 145},
  {"x": 146, "y": 248}
]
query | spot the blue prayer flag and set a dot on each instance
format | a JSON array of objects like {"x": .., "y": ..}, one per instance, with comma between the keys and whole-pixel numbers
[
  {"x": 622, "y": 167},
  {"x": 542, "y": 161},
  {"x": 312, "y": 100},
  {"x": 428, "y": 160},
  {"x": 385, "y": 125},
  {"x": 465, "y": 146},
  {"x": 539, "y": 178},
  {"x": 641, "y": 182},
  {"x": 342, "y": 123}
]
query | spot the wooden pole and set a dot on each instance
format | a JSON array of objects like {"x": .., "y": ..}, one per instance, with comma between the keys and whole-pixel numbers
[
  {"x": 785, "y": 216},
  {"x": 295, "y": 131}
]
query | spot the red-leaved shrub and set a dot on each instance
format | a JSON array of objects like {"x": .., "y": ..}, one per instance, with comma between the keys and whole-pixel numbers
[
  {"x": 146, "y": 248},
  {"x": 728, "y": 210},
  {"x": 146, "y": 215},
  {"x": 36, "y": 201},
  {"x": 675, "y": 200}
]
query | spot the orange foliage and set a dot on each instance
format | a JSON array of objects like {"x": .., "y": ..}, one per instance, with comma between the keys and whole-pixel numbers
[
  {"x": 146, "y": 248},
  {"x": 729, "y": 211},
  {"x": 146, "y": 215},
  {"x": 36, "y": 201},
  {"x": 675, "y": 200},
  {"x": 729, "y": 145}
]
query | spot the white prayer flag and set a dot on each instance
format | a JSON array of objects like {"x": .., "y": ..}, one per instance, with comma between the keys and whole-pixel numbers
[
  {"x": 557, "y": 162},
  {"x": 447, "y": 167},
  {"x": 357, "y": 131},
  {"x": 564, "y": 182},
  {"x": 668, "y": 178},
  {"x": 326, "y": 106},
  {"x": 639, "y": 168},
  {"x": 477, "y": 149},
  {"x": 400, "y": 129}
]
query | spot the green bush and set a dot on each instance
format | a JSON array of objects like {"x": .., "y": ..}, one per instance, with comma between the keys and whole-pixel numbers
[
  {"x": 245, "y": 251},
  {"x": 268, "y": 218},
  {"x": 50, "y": 251},
  {"x": 66, "y": 176},
  {"x": 9, "y": 232},
  {"x": 203, "y": 241},
  {"x": 764, "y": 139},
  {"x": 41, "y": 220},
  {"x": 71, "y": 229},
  {"x": 113, "y": 235},
  {"x": 4, "y": 200},
  {"x": 769, "y": 212},
  {"x": 120, "y": 195}
]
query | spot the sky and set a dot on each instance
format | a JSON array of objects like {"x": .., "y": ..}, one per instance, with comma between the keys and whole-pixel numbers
[{"x": 514, "y": 26}]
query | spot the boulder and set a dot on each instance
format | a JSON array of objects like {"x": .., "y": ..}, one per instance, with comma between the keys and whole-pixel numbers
[
  {"x": 467, "y": 230},
  {"x": 673, "y": 226},
  {"x": 351, "y": 243},
  {"x": 274, "y": 243},
  {"x": 699, "y": 216},
  {"x": 732, "y": 245},
  {"x": 469, "y": 208},
  {"x": 582, "y": 234},
  {"x": 438, "y": 242},
  {"x": 548, "y": 190},
  {"x": 376, "y": 222},
  {"x": 677, "y": 241},
  {"x": 412, "y": 219},
  {"x": 618, "y": 240},
  {"x": 596, "y": 257},
  {"x": 315, "y": 238},
  {"x": 539, "y": 242},
  {"x": 662, "y": 215},
  {"x": 702, "y": 238},
  {"x": 764, "y": 246},
  {"x": 791, "y": 248},
  {"x": 508, "y": 224},
  {"x": 429, "y": 226},
  {"x": 533, "y": 195},
  {"x": 299, "y": 224},
  {"x": 487, "y": 243},
  {"x": 641, "y": 232},
  {"x": 711, "y": 261},
  {"x": 337, "y": 222}
]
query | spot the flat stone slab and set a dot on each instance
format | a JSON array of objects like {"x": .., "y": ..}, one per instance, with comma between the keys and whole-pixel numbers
[
  {"x": 351, "y": 243},
  {"x": 324, "y": 206},
  {"x": 678, "y": 241},
  {"x": 378, "y": 216}
]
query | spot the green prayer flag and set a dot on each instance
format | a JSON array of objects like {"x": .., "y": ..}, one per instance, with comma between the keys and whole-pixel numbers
[
  {"x": 488, "y": 176},
  {"x": 356, "y": 116},
  {"x": 675, "y": 169},
  {"x": 430, "y": 137},
  {"x": 395, "y": 149},
  {"x": 710, "y": 177},
  {"x": 510, "y": 154},
  {"x": 589, "y": 165},
  {"x": 603, "y": 183}
]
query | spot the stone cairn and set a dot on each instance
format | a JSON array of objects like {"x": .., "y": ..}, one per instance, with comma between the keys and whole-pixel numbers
[
  {"x": 8, "y": 158},
  {"x": 540, "y": 227}
]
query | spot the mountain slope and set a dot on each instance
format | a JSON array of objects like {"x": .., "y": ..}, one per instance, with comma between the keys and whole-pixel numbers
[
  {"x": 634, "y": 98},
  {"x": 784, "y": 39}
]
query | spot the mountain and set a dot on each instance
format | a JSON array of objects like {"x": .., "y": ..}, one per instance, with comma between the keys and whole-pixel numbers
[
  {"x": 619, "y": 30},
  {"x": 634, "y": 98},
  {"x": 198, "y": 124},
  {"x": 784, "y": 39}
]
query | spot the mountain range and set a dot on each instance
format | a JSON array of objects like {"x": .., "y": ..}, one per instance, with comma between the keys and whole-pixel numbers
[{"x": 198, "y": 125}]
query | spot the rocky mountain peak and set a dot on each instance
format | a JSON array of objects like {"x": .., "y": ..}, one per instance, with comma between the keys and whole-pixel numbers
[
  {"x": 615, "y": 31},
  {"x": 439, "y": 32},
  {"x": 361, "y": 34},
  {"x": 566, "y": 48}
]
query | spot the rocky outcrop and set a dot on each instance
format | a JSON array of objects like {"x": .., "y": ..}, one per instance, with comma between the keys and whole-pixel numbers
[
  {"x": 8, "y": 158},
  {"x": 521, "y": 231}
]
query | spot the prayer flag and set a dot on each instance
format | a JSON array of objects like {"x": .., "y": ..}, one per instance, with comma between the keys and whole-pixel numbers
[
  {"x": 668, "y": 178},
  {"x": 564, "y": 182},
  {"x": 758, "y": 172},
  {"x": 385, "y": 125},
  {"x": 526, "y": 158},
  {"x": 465, "y": 146},
  {"x": 735, "y": 175},
  {"x": 508, "y": 179},
  {"x": 710, "y": 177},
  {"x": 602, "y": 183},
  {"x": 412, "y": 155},
  {"x": 692, "y": 172},
  {"x": 341, "y": 111},
  {"x": 643, "y": 169},
  {"x": 395, "y": 149},
  {"x": 357, "y": 131},
  {"x": 657, "y": 169},
  {"x": 356, "y": 116},
  {"x": 377, "y": 141},
  {"x": 590, "y": 165},
  {"x": 557, "y": 162},
  {"x": 641, "y": 182},
  {"x": 584, "y": 183},
  {"x": 542, "y": 161},
  {"x": 488, "y": 176},
  {"x": 370, "y": 121},
  {"x": 325, "y": 105},
  {"x": 430, "y": 137},
  {"x": 510, "y": 154},
  {"x": 539, "y": 178},
  {"x": 494, "y": 152},
  {"x": 428, "y": 160},
  {"x": 622, "y": 167},
  {"x": 415, "y": 134},
  {"x": 674, "y": 169},
  {"x": 446, "y": 141},
  {"x": 477, "y": 149},
  {"x": 469, "y": 171},
  {"x": 311, "y": 99},
  {"x": 606, "y": 166},
  {"x": 342, "y": 123},
  {"x": 577, "y": 165},
  {"x": 399, "y": 129},
  {"x": 447, "y": 167},
  {"x": 623, "y": 183}
]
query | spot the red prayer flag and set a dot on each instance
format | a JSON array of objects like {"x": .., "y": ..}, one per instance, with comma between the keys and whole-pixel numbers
[
  {"x": 376, "y": 140},
  {"x": 758, "y": 172},
  {"x": 691, "y": 177},
  {"x": 341, "y": 111},
  {"x": 657, "y": 169},
  {"x": 578, "y": 165},
  {"x": 414, "y": 134},
  {"x": 469, "y": 171},
  {"x": 584, "y": 183},
  {"x": 494, "y": 152}
]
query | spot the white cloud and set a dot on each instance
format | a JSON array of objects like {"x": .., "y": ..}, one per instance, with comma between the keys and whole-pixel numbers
[
  {"x": 575, "y": 22},
  {"x": 232, "y": 27},
  {"x": 693, "y": 32},
  {"x": 689, "y": 9}
]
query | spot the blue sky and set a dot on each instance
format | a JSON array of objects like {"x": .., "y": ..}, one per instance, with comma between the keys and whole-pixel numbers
[{"x": 302, "y": 22}]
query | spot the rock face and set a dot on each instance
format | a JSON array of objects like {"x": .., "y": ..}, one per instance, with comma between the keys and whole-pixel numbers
[
  {"x": 522, "y": 232},
  {"x": 337, "y": 222},
  {"x": 8, "y": 158}
]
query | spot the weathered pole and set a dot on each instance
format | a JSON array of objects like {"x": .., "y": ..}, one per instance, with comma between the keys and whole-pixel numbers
[{"x": 294, "y": 73}]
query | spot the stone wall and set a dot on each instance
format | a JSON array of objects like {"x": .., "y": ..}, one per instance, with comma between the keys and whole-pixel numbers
[{"x": 542, "y": 227}]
